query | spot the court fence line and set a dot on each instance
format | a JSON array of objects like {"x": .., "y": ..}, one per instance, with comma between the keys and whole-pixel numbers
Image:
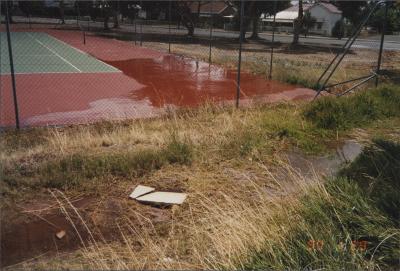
[{"x": 212, "y": 33}]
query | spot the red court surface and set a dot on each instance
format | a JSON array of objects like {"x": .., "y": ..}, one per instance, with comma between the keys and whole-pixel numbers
[{"x": 150, "y": 81}]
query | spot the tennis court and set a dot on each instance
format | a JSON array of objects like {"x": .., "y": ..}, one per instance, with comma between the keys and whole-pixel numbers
[
  {"x": 37, "y": 52},
  {"x": 59, "y": 83},
  {"x": 61, "y": 80}
]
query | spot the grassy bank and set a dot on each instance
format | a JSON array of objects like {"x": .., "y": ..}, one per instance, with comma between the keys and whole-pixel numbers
[
  {"x": 349, "y": 223},
  {"x": 247, "y": 208},
  {"x": 66, "y": 157},
  {"x": 301, "y": 66},
  {"x": 71, "y": 170}
]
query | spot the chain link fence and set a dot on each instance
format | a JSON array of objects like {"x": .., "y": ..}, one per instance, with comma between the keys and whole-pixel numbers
[{"x": 70, "y": 62}]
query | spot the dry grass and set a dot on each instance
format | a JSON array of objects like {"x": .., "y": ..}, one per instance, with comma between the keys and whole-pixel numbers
[
  {"x": 243, "y": 196},
  {"x": 216, "y": 228},
  {"x": 302, "y": 66},
  {"x": 134, "y": 135}
]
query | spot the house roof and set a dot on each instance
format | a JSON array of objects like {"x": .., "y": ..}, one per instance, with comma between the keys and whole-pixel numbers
[
  {"x": 291, "y": 13},
  {"x": 209, "y": 7},
  {"x": 332, "y": 8},
  {"x": 295, "y": 8}
]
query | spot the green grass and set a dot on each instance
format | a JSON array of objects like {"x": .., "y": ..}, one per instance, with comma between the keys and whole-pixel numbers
[
  {"x": 377, "y": 172},
  {"x": 275, "y": 128},
  {"x": 325, "y": 231},
  {"x": 71, "y": 170},
  {"x": 355, "y": 110},
  {"x": 311, "y": 127},
  {"x": 299, "y": 80}
]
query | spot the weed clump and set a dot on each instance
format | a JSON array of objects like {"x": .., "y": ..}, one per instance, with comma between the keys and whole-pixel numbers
[
  {"x": 302, "y": 81},
  {"x": 354, "y": 110},
  {"x": 178, "y": 152},
  {"x": 71, "y": 170}
]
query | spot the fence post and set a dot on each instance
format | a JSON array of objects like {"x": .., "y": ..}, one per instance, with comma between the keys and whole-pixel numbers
[
  {"x": 141, "y": 25},
  {"x": 169, "y": 26},
  {"x": 134, "y": 23},
  {"x": 211, "y": 31},
  {"x": 12, "y": 68},
  {"x": 272, "y": 42},
  {"x": 241, "y": 34},
  {"x": 79, "y": 25},
  {"x": 29, "y": 20},
  {"x": 378, "y": 68}
]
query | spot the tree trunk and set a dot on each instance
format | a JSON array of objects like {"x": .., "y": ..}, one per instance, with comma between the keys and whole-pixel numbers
[
  {"x": 298, "y": 24},
  {"x": 190, "y": 28},
  {"x": 254, "y": 34},
  {"x": 62, "y": 16},
  {"x": 106, "y": 17},
  {"x": 10, "y": 11},
  {"x": 115, "y": 17},
  {"x": 198, "y": 11},
  {"x": 187, "y": 18}
]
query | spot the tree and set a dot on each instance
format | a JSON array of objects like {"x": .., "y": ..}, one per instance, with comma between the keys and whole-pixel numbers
[
  {"x": 187, "y": 17},
  {"x": 308, "y": 22},
  {"x": 31, "y": 7},
  {"x": 253, "y": 10},
  {"x": 10, "y": 7},
  {"x": 298, "y": 23},
  {"x": 108, "y": 9},
  {"x": 256, "y": 8},
  {"x": 338, "y": 29},
  {"x": 351, "y": 10},
  {"x": 393, "y": 19}
]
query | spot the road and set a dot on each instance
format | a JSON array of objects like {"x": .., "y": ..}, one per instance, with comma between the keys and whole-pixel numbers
[{"x": 392, "y": 42}]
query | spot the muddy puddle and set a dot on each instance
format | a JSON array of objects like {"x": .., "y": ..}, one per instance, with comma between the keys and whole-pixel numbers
[
  {"x": 311, "y": 168},
  {"x": 182, "y": 81},
  {"x": 33, "y": 236},
  {"x": 327, "y": 165},
  {"x": 37, "y": 236}
]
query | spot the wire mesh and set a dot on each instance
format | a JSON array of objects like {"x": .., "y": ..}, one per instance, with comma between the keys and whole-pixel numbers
[{"x": 86, "y": 61}]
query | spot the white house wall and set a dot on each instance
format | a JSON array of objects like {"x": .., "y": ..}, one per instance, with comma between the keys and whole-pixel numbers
[{"x": 324, "y": 16}]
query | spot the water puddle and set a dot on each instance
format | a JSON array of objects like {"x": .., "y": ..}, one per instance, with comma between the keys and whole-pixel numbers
[
  {"x": 327, "y": 165},
  {"x": 182, "y": 81}
]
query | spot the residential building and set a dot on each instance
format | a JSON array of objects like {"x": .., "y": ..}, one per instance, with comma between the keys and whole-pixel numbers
[{"x": 325, "y": 14}]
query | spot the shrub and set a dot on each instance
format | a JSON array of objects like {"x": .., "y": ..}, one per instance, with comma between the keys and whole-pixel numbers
[{"x": 338, "y": 29}]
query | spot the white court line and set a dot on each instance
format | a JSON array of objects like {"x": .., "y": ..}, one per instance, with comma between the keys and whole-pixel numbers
[
  {"x": 54, "y": 52},
  {"x": 82, "y": 52},
  {"x": 22, "y": 73}
]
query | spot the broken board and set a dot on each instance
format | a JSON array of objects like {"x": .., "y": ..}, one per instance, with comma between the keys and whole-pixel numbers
[
  {"x": 163, "y": 198},
  {"x": 141, "y": 190}
]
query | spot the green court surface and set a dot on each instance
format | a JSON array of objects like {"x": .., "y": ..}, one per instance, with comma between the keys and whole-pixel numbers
[{"x": 36, "y": 52}]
